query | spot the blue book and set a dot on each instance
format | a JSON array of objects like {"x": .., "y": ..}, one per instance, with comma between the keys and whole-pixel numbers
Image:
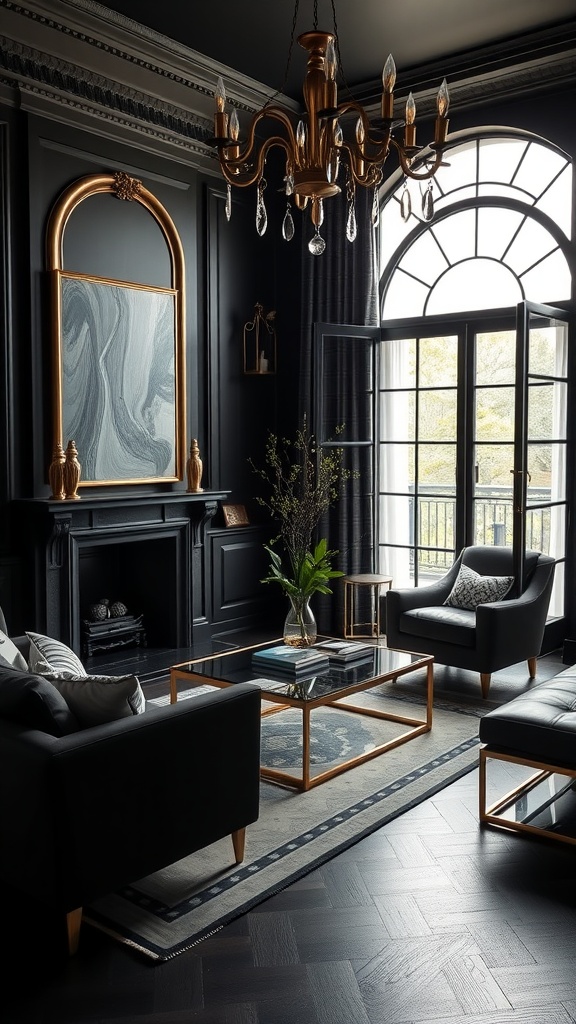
[{"x": 291, "y": 659}]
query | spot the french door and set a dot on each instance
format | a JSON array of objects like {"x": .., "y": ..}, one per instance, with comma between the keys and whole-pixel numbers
[
  {"x": 465, "y": 435},
  {"x": 473, "y": 441}
]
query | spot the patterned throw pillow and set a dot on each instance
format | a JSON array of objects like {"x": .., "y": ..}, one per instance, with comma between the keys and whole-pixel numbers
[
  {"x": 48, "y": 655},
  {"x": 472, "y": 589},
  {"x": 94, "y": 700}
]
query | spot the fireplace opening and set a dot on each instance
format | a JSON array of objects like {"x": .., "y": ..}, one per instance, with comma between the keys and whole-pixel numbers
[{"x": 143, "y": 575}]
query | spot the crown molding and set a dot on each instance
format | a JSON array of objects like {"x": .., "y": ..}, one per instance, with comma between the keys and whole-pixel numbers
[
  {"x": 79, "y": 63},
  {"x": 539, "y": 61}
]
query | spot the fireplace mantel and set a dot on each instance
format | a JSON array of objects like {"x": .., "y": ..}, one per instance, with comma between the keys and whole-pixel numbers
[{"x": 155, "y": 539}]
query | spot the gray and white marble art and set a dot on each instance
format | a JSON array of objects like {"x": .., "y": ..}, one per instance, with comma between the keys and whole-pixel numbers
[{"x": 118, "y": 379}]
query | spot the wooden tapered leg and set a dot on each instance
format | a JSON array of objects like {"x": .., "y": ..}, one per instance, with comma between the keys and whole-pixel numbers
[
  {"x": 238, "y": 841},
  {"x": 532, "y": 662},
  {"x": 73, "y": 922},
  {"x": 485, "y": 683}
]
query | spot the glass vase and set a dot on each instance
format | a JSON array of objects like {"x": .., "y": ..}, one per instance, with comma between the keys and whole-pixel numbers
[{"x": 300, "y": 628}]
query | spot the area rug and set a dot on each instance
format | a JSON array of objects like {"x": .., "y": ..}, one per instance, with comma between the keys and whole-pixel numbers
[{"x": 174, "y": 909}]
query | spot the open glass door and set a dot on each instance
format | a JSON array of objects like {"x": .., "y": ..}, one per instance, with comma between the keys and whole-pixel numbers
[{"x": 540, "y": 449}]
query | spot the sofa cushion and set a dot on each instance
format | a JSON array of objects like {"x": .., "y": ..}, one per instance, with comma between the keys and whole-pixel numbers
[
  {"x": 10, "y": 653},
  {"x": 95, "y": 700},
  {"x": 539, "y": 724},
  {"x": 471, "y": 589},
  {"x": 32, "y": 701},
  {"x": 47, "y": 655},
  {"x": 446, "y": 625}
]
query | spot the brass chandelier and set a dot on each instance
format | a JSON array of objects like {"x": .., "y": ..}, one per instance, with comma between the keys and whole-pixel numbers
[{"x": 321, "y": 146}]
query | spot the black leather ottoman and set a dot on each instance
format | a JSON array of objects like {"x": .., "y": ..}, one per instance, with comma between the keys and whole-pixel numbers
[{"x": 536, "y": 729}]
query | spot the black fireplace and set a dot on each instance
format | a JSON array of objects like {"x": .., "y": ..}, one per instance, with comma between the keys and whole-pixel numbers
[{"x": 147, "y": 552}]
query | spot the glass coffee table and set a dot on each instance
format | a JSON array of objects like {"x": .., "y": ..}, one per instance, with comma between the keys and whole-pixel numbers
[{"x": 329, "y": 688}]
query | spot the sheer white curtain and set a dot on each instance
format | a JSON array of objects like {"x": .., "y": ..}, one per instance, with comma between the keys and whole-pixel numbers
[
  {"x": 558, "y": 469},
  {"x": 395, "y": 502}
]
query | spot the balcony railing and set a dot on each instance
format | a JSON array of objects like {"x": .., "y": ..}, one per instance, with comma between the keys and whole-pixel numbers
[{"x": 493, "y": 514}]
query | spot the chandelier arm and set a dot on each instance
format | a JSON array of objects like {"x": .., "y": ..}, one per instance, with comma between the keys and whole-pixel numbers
[
  {"x": 232, "y": 169},
  {"x": 405, "y": 162},
  {"x": 365, "y": 176}
]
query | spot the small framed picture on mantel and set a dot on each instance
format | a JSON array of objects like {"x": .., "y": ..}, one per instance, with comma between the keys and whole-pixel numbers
[{"x": 235, "y": 515}]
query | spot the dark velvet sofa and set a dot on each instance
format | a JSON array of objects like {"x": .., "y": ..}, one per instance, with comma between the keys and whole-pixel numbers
[{"x": 87, "y": 811}]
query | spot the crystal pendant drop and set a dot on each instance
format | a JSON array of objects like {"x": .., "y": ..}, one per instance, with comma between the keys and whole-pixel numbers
[
  {"x": 228, "y": 206},
  {"x": 405, "y": 204},
  {"x": 351, "y": 226},
  {"x": 428, "y": 204},
  {"x": 317, "y": 244},
  {"x": 261, "y": 215},
  {"x": 288, "y": 225},
  {"x": 289, "y": 184}
]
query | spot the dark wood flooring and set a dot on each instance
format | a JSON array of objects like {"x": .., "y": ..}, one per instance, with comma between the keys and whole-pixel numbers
[{"x": 428, "y": 920}]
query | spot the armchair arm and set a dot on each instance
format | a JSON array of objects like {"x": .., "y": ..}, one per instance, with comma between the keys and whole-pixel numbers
[
  {"x": 403, "y": 599},
  {"x": 516, "y": 627}
]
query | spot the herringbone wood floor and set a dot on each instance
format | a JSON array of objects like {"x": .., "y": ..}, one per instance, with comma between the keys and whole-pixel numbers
[{"x": 428, "y": 920}]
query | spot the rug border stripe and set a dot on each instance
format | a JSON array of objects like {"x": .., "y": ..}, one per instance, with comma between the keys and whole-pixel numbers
[{"x": 160, "y": 954}]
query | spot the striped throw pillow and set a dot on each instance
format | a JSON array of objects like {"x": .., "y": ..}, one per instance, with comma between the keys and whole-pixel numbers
[{"x": 49, "y": 656}]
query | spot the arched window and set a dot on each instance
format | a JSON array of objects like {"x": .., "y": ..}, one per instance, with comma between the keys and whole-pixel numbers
[{"x": 499, "y": 234}]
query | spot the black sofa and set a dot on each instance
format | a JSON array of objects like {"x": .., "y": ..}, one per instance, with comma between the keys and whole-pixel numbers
[{"x": 85, "y": 812}]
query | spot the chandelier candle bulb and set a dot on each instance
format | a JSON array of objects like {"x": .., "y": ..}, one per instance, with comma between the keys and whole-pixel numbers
[
  {"x": 442, "y": 104},
  {"x": 410, "y": 129},
  {"x": 388, "y": 83},
  {"x": 220, "y": 117}
]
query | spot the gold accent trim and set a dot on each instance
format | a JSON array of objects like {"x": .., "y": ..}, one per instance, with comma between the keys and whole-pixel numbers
[
  {"x": 131, "y": 189},
  {"x": 126, "y": 187}
]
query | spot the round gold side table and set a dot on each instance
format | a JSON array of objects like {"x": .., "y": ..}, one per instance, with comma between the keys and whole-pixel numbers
[{"x": 373, "y": 581}]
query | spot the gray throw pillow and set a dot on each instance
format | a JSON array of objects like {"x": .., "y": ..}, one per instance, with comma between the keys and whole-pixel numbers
[
  {"x": 95, "y": 700},
  {"x": 471, "y": 589}
]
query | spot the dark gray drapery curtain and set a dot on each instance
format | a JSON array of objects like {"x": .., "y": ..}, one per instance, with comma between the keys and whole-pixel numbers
[{"x": 341, "y": 287}]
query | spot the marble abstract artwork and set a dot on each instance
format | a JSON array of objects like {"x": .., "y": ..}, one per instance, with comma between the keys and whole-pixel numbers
[{"x": 118, "y": 352}]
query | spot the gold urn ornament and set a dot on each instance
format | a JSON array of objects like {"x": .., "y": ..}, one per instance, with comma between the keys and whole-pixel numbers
[
  {"x": 194, "y": 468},
  {"x": 72, "y": 471},
  {"x": 56, "y": 472}
]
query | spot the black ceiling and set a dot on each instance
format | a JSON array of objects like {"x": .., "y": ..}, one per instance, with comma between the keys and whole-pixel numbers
[{"x": 254, "y": 37}]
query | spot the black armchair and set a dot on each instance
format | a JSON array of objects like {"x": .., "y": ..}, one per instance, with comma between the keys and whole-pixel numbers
[
  {"x": 495, "y": 635},
  {"x": 85, "y": 812}
]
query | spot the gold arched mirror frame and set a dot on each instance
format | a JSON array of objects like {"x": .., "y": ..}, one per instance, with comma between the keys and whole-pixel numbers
[{"x": 112, "y": 341}]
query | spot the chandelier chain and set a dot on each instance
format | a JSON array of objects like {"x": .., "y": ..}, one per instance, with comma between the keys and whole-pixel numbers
[{"x": 289, "y": 57}]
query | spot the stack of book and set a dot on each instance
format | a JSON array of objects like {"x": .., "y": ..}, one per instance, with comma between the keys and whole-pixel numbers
[
  {"x": 291, "y": 662},
  {"x": 342, "y": 653}
]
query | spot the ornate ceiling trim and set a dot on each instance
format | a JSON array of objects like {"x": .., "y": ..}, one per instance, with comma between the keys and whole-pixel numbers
[{"x": 74, "y": 59}]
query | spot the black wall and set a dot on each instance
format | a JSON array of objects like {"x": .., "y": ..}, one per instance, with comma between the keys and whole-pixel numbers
[{"x": 229, "y": 269}]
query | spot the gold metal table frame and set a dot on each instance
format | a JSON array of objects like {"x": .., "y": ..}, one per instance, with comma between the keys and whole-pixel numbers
[
  {"x": 281, "y": 701},
  {"x": 497, "y": 813}
]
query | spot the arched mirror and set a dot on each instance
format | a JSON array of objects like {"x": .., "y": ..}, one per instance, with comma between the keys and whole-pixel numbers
[{"x": 118, "y": 353}]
